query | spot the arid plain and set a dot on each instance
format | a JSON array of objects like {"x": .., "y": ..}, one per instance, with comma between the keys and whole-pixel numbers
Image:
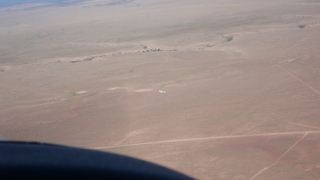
[{"x": 220, "y": 89}]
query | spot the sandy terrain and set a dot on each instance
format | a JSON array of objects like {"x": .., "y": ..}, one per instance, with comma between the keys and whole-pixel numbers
[{"x": 239, "y": 83}]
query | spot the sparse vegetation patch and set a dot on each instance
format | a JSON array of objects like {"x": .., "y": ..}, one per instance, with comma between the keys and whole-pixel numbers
[
  {"x": 88, "y": 59},
  {"x": 143, "y": 51},
  {"x": 74, "y": 61},
  {"x": 229, "y": 38},
  {"x": 302, "y": 26}
]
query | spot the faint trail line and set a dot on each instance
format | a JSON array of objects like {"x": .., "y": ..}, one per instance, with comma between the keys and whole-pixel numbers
[
  {"x": 313, "y": 89},
  {"x": 266, "y": 168},
  {"x": 305, "y": 125},
  {"x": 35, "y": 105},
  {"x": 207, "y": 138},
  {"x": 289, "y": 149},
  {"x": 171, "y": 57}
]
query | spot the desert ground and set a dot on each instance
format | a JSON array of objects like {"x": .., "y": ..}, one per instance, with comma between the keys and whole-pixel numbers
[{"x": 220, "y": 89}]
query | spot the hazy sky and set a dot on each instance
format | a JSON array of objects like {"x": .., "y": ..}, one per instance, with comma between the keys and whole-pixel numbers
[{"x": 8, "y": 3}]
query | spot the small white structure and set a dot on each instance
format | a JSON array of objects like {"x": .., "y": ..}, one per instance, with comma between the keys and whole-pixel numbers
[{"x": 160, "y": 91}]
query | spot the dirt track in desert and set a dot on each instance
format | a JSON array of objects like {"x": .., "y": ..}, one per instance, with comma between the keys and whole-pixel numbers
[{"x": 213, "y": 89}]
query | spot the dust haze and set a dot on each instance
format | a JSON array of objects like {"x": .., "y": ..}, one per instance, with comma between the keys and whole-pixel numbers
[{"x": 220, "y": 89}]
